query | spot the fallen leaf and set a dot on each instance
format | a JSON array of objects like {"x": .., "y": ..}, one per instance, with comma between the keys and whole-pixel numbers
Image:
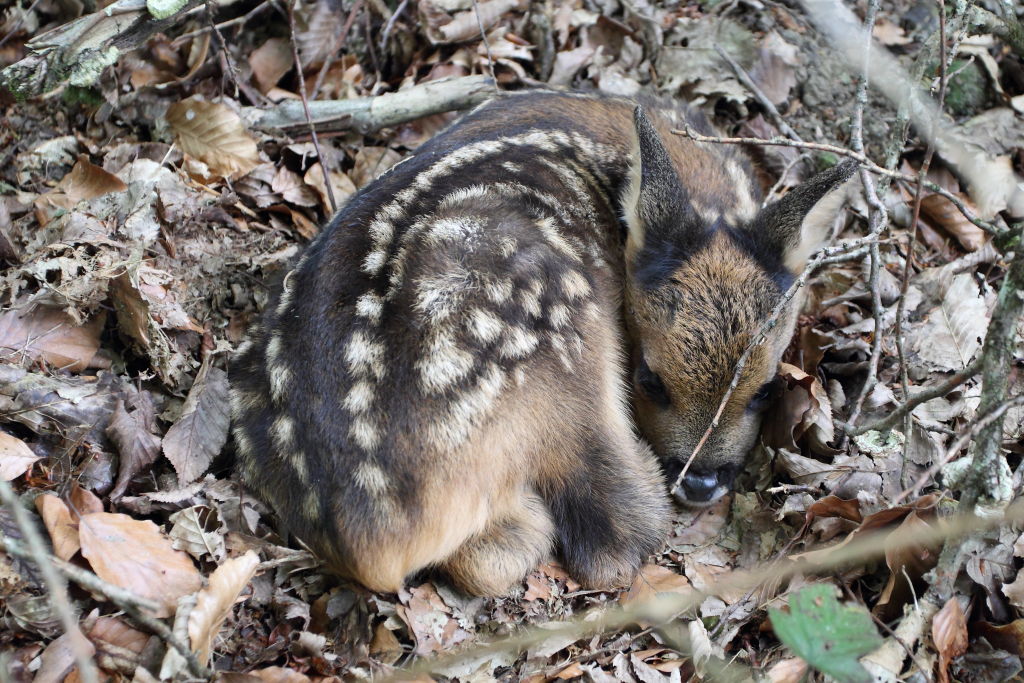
[
  {"x": 293, "y": 188},
  {"x": 341, "y": 184},
  {"x": 113, "y": 631},
  {"x": 942, "y": 213},
  {"x": 85, "y": 181},
  {"x": 1009, "y": 637},
  {"x": 84, "y": 501},
  {"x": 214, "y": 603},
  {"x": 430, "y": 621},
  {"x": 51, "y": 335},
  {"x": 803, "y": 409},
  {"x": 58, "y": 659},
  {"x": 949, "y": 633},
  {"x": 791, "y": 670},
  {"x": 132, "y": 433},
  {"x": 190, "y": 534},
  {"x": 654, "y": 579},
  {"x": 201, "y": 431},
  {"x": 1015, "y": 591},
  {"x": 384, "y": 646},
  {"x": 279, "y": 674},
  {"x": 16, "y": 457},
  {"x": 214, "y": 134},
  {"x": 537, "y": 587},
  {"x": 270, "y": 61},
  {"x": 954, "y": 330},
  {"x": 371, "y": 162},
  {"x": 62, "y": 526},
  {"x": 137, "y": 556}
]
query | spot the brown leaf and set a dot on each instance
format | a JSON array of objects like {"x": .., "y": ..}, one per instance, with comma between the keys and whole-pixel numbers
[
  {"x": 430, "y": 621},
  {"x": 62, "y": 526},
  {"x": 83, "y": 501},
  {"x": 905, "y": 559},
  {"x": 1009, "y": 637},
  {"x": 790, "y": 670},
  {"x": 341, "y": 184},
  {"x": 113, "y": 631},
  {"x": 84, "y": 181},
  {"x": 213, "y": 604},
  {"x": 834, "y": 506},
  {"x": 137, "y": 556},
  {"x": 805, "y": 409},
  {"x": 371, "y": 162},
  {"x": 201, "y": 431},
  {"x": 270, "y": 61},
  {"x": 1015, "y": 591},
  {"x": 654, "y": 579},
  {"x": 214, "y": 134},
  {"x": 385, "y": 646},
  {"x": 537, "y": 587},
  {"x": 136, "y": 443},
  {"x": 943, "y": 214},
  {"x": 279, "y": 674},
  {"x": 51, "y": 335},
  {"x": 293, "y": 188},
  {"x": 58, "y": 659},
  {"x": 16, "y": 457},
  {"x": 949, "y": 634}
]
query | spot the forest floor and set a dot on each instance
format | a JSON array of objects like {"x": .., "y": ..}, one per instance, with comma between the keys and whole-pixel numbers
[{"x": 139, "y": 242}]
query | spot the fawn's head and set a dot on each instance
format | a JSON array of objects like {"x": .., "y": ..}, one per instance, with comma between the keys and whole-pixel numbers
[{"x": 698, "y": 290}]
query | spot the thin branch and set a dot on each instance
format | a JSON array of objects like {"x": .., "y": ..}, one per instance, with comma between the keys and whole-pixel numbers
[
  {"x": 331, "y": 55},
  {"x": 305, "y": 104},
  {"x": 487, "y": 44},
  {"x": 973, "y": 429},
  {"x": 768, "y": 105},
  {"x": 843, "y": 151},
  {"x": 908, "y": 406},
  {"x": 55, "y": 584}
]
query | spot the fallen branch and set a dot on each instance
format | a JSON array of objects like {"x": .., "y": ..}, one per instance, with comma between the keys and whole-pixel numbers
[
  {"x": 55, "y": 585},
  {"x": 365, "y": 114},
  {"x": 79, "y": 51}
]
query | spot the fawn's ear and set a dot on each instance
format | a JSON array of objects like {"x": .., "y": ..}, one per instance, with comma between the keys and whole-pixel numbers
[
  {"x": 662, "y": 223},
  {"x": 797, "y": 225}
]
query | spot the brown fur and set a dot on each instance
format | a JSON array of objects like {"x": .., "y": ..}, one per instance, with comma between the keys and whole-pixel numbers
[{"x": 444, "y": 380}]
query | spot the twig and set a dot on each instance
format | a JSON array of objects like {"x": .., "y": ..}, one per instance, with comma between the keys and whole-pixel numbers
[
  {"x": 908, "y": 261},
  {"x": 923, "y": 397},
  {"x": 878, "y": 218},
  {"x": 843, "y": 151},
  {"x": 487, "y": 44},
  {"x": 55, "y": 584},
  {"x": 222, "y": 25},
  {"x": 768, "y": 105},
  {"x": 972, "y": 430},
  {"x": 329, "y": 59},
  {"x": 305, "y": 104},
  {"x": 989, "y": 468},
  {"x": 83, "y": 578},
  {"x": 19, "y": 22},
  {"x": 759, "y": 339},
  {"x": 386, "y": 33}
]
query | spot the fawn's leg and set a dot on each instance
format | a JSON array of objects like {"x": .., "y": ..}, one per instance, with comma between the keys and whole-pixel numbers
[
  {"x": 610, "y": 512},
  {"x": 495, "y": 560}
]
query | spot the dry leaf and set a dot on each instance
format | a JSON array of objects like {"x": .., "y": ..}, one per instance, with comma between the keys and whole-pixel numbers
[
  {"x": 790, "y": 670},
  {"x": 942, "y": 213},
  {"x": 16, "y": 457},
  {"x": 58, "y": 659},
  {"x": 280, "y": 674},
  {"x": 51, "y": 335},
  {"x": 954, "y": 330},
  {"x": 652, "y": 580},
  {"x": 1015, "y": 591},
  {"x": 1009, "y": 637},
  {"x": 341, "y": 184},
  {"x": 214, "y": 134},
  {"x": 949, "y": 634},
  {"x": 189, "y": 533},
  {"x": 270, "y": 61},
  {"x": 137, "y": 445},
  {"x": 201, "y": 431},
  {"x": 803, "y": 409},
  {"x": 371, "y": 162},
  {"x": 293, "y": 188},
  {"x": 137, "y": 556},
  {"x": 430, "y": 621},
  {"x": 385, "y": 647},
  {"x": 213, "y": 604},
  {"x": 85, "y": 181},
  {"x": 83, "y": 501},
  {"x": 62, "y": 526}
]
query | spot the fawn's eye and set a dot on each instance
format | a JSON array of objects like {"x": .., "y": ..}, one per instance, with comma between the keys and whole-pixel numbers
[
  {"x": 763, "y": 396},
  {"x": 651, "y": 384}
]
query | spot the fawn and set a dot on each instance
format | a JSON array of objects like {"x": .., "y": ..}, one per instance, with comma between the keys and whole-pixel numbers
[{"x": 498, "y": 346}]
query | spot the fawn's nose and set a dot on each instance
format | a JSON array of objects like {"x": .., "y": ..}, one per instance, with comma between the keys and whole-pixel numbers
[{"x": 700, "y": 487}]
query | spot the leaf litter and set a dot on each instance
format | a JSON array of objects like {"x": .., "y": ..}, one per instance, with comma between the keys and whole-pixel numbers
[{"x": 139, "y": 249}]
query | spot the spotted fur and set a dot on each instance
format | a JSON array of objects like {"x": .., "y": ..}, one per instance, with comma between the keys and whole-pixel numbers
[{"x": 445, "y": 379}]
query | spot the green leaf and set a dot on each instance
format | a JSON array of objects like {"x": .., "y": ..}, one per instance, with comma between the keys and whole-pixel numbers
[{"x": 826, "y": 634}]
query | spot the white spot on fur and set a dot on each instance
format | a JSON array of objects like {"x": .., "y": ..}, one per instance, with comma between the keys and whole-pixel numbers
[
  {"x": 484, "y": 325},
  {"x": 363, "y": 431},
  {"x": 280, "y": 380},
  {"x": 469, "y": 408},
  {"x": 507, "y": 246},
  {"x": 243, "y": 444},
  {"x": 499, "y": 290},
  {"x": 370, "y": 306},
  {"x": 374, "y": 261},
  {"x": 574, "y": 285},
  {"x": 442, "y": 363},
  {"x": 371, "y": 478},
  {"x": 311, "y": 506},
  {"x": 519, "y": 343},
  {"x": 559, "y": 315},
  {"x": 511, "y": 166},
  {"x": 243, "y": 348},
  {"x": 359, "y": 398},
  {"x": 365, "y": 355},
  {"x": 551, "y": 233},
  {"x": 529, "y": 298},
  {"x": 243, "y": 402},
  {"x": 746, "y": 207},
  {"x": 282, "y": 431},
  {"x": 440, "y": 296},
  {"x": 301, "y": 467},
  {"x": 456, "y": 229}
]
